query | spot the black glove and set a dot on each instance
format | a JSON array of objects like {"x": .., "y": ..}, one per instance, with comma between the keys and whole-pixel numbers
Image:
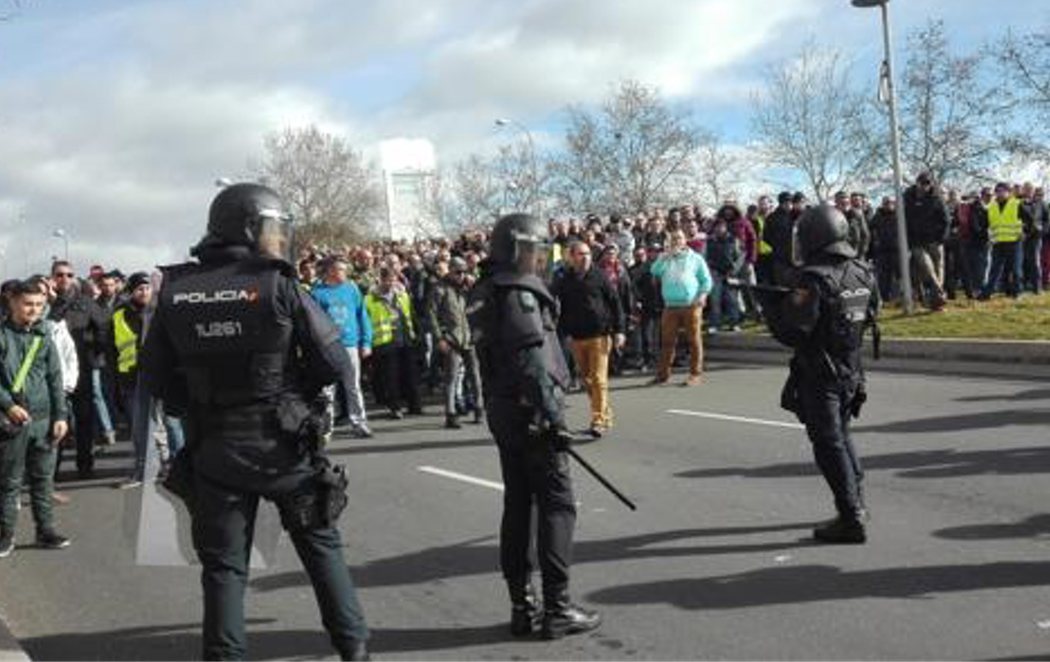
[
  {"x": 859, "y": 398},
  {"x": 560, "y": 439}
]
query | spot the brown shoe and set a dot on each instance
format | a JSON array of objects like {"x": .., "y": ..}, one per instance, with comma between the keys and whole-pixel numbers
[
  {"x": 657, "y": 381},
  {"x": 693, "y": 380}
]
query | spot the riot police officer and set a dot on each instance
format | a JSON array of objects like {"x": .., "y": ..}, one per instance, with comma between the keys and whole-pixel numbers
[
  {"x": 243, "y": 352},
  {"x": 512, "y": 317},
  {"x": 824, "y": 320}
]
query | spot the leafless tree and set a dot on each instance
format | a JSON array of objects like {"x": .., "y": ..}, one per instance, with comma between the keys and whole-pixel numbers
[
  {"x": 810, "y": 119},
  {"x": 333, "y": 193},
  {"x": 627, "y": 154},
  {"x": 1024, "y": 62},
  {"x": 716, "y": 171},
  {"x": 949, "y": 117}
]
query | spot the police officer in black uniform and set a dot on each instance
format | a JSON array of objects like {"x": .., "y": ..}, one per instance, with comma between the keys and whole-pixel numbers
[
  {"x": 824, "y": 320},
  {"x": 512, "y": 317},
  {"x": 242, "y": 351}
]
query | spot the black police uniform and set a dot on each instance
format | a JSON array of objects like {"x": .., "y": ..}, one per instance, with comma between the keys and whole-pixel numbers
[
  {"x": 238, "y": 345},
  {"x": 826, "y": 385},
  {"x": 523, "y": 372}
]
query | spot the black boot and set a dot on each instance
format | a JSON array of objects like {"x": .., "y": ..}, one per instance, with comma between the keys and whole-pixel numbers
[
  {"x": 452, "y": 423},
  {"x": 524, "y": 610},
  {"x": 843, "y": 531},
  {"x": 358, "y": 651},
  {"x": 561, "y": 617}
]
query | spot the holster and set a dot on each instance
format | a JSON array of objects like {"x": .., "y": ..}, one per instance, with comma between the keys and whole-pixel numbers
[
  {"x": 180, "y": 480},
  {"x": 318, "y": 502},
  {"x": 789, "y": 396}
]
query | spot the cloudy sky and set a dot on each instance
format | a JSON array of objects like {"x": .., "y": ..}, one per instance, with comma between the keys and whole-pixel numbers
[{"x": 116, "y": 116}]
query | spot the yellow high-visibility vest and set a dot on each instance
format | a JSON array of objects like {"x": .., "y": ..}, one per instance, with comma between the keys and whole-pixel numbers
[
  {"x": 1004, "y": 223},
  {"x": 383, "y": 318},
  {"x": 760, "y": 226},
  {"x": 126, "y": 342}
]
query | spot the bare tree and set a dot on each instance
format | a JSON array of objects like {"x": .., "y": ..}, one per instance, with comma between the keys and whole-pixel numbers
[
  {"x": 949, "y": 116},
  {"x": 626, "y": 155},
  {"x": 13, "y": 8},
  {"x": 810, "y": 119},
  {"x": 475, "y": 195},
  {"x": 1024, "y": 61},
  {"x": 716, "y": 171},
  {"x": 333, "y": 193}
]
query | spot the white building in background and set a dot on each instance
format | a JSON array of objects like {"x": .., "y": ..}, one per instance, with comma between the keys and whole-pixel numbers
[{"x": 408, "y": 167}]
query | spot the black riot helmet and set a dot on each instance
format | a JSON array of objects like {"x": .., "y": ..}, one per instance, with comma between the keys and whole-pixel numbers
[
  {"x": 250, "y": 215},
  {"x": 519, "y": 242},
  {"x": 821, "y": 229}
]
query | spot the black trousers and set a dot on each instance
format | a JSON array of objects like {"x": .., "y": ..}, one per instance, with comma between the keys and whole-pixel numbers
[
  {"x": 825, "y": 411},
  {"x": 84, "y": 424},
  {"x": 398, "y": 376},
  {"x": 223, "y": 528},
  {"x": 533, "y": 475}
]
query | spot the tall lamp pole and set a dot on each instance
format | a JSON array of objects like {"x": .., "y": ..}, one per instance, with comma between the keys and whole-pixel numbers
[
  {"x": 64, "y": 236},
  {"x": 534, "y": 175},
  {"x": 898, "y": 180}
]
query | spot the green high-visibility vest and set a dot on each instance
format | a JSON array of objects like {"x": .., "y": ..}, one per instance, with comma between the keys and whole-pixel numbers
[
  {"x": 1004, "y": 223},
  {"x": 126, "y": 342}
]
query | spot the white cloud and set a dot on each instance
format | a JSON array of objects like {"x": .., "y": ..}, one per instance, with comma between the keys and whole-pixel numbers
[{"x": 116, "y": 117}]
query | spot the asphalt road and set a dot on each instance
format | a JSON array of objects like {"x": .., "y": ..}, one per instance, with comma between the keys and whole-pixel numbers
[{"x": 715, "y": 564}]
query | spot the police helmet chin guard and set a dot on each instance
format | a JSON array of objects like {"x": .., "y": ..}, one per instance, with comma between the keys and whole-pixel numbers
[
  {"x": 519, "y": 242},
  {"x": 821, "y": 230},
  {"x": 251, "y": 215}
]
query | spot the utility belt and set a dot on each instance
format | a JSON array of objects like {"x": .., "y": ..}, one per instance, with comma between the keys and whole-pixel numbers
[{"x": 319, "y": 499}]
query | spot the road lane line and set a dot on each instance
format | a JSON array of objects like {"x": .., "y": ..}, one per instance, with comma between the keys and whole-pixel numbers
[
  {"x": 737, "y": 419},
  {"x": 462, "y": 477}
]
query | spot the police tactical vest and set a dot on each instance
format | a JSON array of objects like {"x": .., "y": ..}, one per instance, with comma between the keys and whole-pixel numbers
[
  {"x": 848, "y": 305},
  {"x": 486, "y": 306},
  {"x": 226, "y": 328}
]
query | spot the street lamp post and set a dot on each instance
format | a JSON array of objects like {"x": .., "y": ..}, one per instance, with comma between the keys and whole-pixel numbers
[
  {"x": 64, "y": 236},
  {"x": 898, "y": 180},
  {"x": 534, "y": 174}
]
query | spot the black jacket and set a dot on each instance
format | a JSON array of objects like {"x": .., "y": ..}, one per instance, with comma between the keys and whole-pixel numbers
[
  {"x": 926, "y": 216},
  {"x": 777, "y": 233},
  {"x": 590, "y": 306},
  {"x": 88, "y": 325}
]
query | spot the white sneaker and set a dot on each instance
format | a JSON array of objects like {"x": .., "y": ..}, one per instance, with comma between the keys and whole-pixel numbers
[
  {"x": 129, "y": 484},
  {"x": 713, "y": 331}
]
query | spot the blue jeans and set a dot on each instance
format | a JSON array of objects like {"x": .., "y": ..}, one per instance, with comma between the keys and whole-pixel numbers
[
  {"x": 105, "y": 423},
  {"x": 1005, "y": 256},
  {"x": 146, "y": 413},
  {"x": 721, "y": 298}
]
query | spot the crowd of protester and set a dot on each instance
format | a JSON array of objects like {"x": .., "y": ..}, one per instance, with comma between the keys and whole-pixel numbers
[{"x": 636, "y": 290}]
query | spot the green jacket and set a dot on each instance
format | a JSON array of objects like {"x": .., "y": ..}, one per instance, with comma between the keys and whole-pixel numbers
[{"x": 42, "y": 395}]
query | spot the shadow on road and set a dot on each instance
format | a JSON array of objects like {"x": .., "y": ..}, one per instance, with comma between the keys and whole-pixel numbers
[
  {"x": 471, "y": 558},
  {"x": 183, "y": 642},
  {"x": 1034, "y": 526},
  {"x": 959, "y": 422},
  {"x": 1030, "y": 394},
  {"x": 817, "y": 583},
  {"x": 941, "y": 463},
  {"x": 410, "y": 446}
]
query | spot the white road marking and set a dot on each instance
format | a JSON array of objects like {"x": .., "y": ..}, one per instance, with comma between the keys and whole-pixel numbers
[
  {"x": 461, "y": 477},
  {"x": 737, "y": 419}
]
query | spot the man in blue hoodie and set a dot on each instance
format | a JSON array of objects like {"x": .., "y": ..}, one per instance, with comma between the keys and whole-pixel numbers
[
  {"x": 684, "y": 283},
  {"x": 340, "y": 298}
]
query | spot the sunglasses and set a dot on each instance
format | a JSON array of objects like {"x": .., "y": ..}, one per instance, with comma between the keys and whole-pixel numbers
[{"x": 64, "y": 274}]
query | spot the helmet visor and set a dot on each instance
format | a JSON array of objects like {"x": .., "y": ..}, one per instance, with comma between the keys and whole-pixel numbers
[
  {"x": 275, "y": 234},
  {"x": 531, "y": 257}
]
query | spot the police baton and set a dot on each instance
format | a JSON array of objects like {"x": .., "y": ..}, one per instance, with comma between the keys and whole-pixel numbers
[
  {"x": 765, "y": 289},
  {"x": 600, "y": 478}
]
